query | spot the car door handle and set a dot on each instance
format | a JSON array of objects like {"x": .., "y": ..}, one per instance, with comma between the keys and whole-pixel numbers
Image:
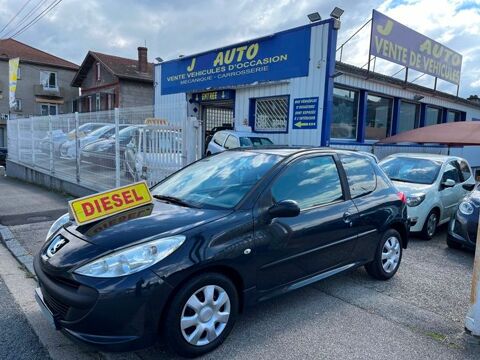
[{"x": 347, "y": 218}]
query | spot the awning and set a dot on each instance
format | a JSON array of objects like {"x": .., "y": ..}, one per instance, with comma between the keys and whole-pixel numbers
[
  {"x": 49, "y": 100},
  {"x": 453, "y": 134}
]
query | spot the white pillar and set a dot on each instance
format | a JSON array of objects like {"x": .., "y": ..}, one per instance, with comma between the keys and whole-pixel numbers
[{"x": 472, "y": 322}]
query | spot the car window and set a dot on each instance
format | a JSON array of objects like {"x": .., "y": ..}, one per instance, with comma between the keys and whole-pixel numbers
[
  {"x": 254, "y": 141},
  {"x": 360, "y": 175},
  {"x": 452, "y": 172},
  {"x": 310, "y": 182},
  {"x": 219, "y": 138},
  {"x": 231, "y": 143},
  {"x": 465, "y": 169}
]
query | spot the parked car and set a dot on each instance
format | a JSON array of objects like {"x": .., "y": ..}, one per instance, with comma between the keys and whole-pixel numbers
[
  {"x": 229, "y": 139},
  {"x": 209, "y": 133},
  {"x": 102, "y": 151},
  {"x": 153, "y": 154},
  {"x": 59, "y": 137},
  {"x": 434, "y": 185},
  {"x": 225, "y": 232},
  {"x": 67, "y": 149},
  {"x": 462, "y": 230},
  {"x": 3, "y": 156}
]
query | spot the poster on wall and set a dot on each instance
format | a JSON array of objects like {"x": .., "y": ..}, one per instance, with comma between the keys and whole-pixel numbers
[
  {"x": 280, "y": 56},
  {"x": 12, "y": 80},
  {"x": 397, "y": 43},
  {"x": 305, "y": 113}
]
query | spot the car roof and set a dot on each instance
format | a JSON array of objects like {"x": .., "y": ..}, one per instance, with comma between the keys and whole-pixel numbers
[
  {"x": 438, "y": 157},
  {"x": 286, "y": 151},
  {"x": 242, "y": 133}
]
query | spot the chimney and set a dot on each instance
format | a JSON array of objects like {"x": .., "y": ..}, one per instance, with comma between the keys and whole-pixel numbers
[{"x": 142, "y": 59}]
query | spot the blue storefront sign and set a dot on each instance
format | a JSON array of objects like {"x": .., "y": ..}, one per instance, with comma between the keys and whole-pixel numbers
[
  {"x": 305, "y": 113},
  {"x": 280, "y": 56},
  {"x": 397, "y": 43}
]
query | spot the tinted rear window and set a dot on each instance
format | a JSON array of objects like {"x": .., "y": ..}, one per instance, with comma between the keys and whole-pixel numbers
[{"x": 360, "y": 174}]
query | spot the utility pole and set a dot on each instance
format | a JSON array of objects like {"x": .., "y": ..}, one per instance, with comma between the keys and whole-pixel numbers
[{"x": 472, "y": 321}]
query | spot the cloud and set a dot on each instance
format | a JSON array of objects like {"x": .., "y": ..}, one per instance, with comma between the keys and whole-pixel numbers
[{"x": 170, "y": 28}]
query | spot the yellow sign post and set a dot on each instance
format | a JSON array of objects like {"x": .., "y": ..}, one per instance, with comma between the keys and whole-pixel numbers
[{"x": 99, "y": 206}]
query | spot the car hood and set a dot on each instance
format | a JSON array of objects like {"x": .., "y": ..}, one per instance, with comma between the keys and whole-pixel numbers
[
  {"x": 411, "y": 188},
  {"x": 135, "y": 225}
]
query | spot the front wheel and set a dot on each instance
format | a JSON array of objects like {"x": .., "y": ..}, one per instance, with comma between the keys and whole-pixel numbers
[
  {"x": 430, "y": 226},
  {"x": 387, "y": 256},
  {"x": 201, "y": 315}
]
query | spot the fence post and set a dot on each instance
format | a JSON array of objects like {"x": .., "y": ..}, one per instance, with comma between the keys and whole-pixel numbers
[
  {"x": 18, "y": 139},
  {"x": 77, "y": 147},
  {"x": 51, "y": 147},
  {"x": 185, "y": 141},
  {"x": 117, "y": 149},
  {"x": 33, "y": 141}
]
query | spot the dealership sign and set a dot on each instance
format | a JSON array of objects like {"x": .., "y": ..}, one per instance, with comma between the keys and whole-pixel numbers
[
  {"x": 397, "y": 43},
  {"x": 280, "y": 56}
]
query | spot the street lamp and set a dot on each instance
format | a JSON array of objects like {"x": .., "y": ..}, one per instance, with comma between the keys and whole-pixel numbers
[
  {"x": 313, "y": 17},
  {"x": 336, "y": 13}
]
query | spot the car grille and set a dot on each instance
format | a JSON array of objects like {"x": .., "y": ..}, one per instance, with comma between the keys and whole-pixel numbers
[{"x": 57, "y": 307}]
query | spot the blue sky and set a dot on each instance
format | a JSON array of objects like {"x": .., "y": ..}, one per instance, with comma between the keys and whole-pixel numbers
[{"x": 175, "y": 27}]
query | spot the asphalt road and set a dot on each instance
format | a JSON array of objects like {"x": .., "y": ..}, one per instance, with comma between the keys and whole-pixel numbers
[{"x": 17, "y": 339}]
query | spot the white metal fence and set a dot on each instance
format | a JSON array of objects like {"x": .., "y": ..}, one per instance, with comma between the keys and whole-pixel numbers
[{"x": 105, "y": 149}]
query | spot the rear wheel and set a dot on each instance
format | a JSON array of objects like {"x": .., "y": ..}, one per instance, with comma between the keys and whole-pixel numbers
[
  {"x": 430, "y": 226},
  {"x": 387, "y": 256},
  {"x": 201, "y": 315}
]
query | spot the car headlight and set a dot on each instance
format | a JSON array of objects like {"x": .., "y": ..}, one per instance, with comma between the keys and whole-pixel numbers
[
  {"x": 133, "y": 259},
  {"x": 466, "y": 208},
  {"x": 415, "y": 199},
  {"x": 59, "y": 223}
]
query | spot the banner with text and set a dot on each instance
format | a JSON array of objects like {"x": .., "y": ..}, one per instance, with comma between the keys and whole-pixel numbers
[
  {"x": 280, "y": 56},
  {"x": 397, "y": 43}
]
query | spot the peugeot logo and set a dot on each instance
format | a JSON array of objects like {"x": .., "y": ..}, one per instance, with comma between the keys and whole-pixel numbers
[{"x": 57, "y": 243}]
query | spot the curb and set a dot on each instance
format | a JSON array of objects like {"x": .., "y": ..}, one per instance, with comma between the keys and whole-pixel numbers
[{"x": 17, "y": 249}]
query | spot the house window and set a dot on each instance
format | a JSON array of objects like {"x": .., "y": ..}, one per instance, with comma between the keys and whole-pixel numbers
[
  {"x": 408, "y": 118},
  {"x": 18, "y": 105},
  {"x": 271, "y": 114},
  {"x": 97, "y": 102},
  {"x": 97, "y": 71},
  {"x": 345, "y": 114},
  {"x": 48, "y": 79},
  {"x": 453, "y": 116},
  {"x": 49, "y": 109},
  {"x": 433, "y": 116},
  {"x": 379, "y": 116}
]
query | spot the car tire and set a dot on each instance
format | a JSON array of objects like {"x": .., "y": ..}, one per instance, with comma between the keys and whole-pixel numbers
[
  {"x": 201, "y": 292},
  {"x": 430, "y": 226},
  {"x": 388, "y": 256},
  {"x": 209, "y": 153},
  {"x": 453, "y": 244}
]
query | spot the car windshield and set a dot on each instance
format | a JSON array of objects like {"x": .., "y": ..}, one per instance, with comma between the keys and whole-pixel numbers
[
  {"x": 100, "y": 131},
  {"x": 125, "y": 133},
  {"x": 412, "y": 170},
  {"x": 254, "y": 141},
  {"x": 219, "y": 181}
]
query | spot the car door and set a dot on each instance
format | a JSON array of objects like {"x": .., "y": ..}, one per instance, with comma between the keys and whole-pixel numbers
[
  {"x": 449, "y": 196},
  {"x": 320, "y": 238}
]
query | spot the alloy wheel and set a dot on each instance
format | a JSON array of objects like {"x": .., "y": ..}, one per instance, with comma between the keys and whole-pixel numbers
[
  {"x": 391, "y": 254},
  {"x": 205, "y": 315}
]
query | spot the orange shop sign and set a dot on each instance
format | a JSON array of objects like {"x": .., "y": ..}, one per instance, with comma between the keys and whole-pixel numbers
[{"x": 99, "y": 206}]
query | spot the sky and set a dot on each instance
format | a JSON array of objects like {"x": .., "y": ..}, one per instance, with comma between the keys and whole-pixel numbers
[{"x": 170, "y": 28}]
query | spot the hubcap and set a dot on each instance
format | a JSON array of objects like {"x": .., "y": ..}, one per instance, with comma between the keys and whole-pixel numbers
[
  {"x": 391, "y": 254},
  {"x": 432, "y": 224},
  {"x": 205, "y": 315}
]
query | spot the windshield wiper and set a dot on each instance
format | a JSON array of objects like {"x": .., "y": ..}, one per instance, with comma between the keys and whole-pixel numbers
[{"x": 174, "y": 200}]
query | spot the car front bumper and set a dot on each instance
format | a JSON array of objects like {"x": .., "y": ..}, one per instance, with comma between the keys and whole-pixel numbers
[
  {"x": 461, "y": 232},
  {"x": 119, "y": 314}
]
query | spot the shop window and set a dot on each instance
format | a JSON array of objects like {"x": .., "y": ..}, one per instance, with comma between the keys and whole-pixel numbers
[
  {"x": 408, "y": 118},
  {"x": 379, "y": 116},
  {"x": 345, "y": 114},
  {"x": 48, "y": 79},
  {"x": 271, "y": 114},
  {"x": 433, "y": 116},
  {"x": 453, "y": 116}
]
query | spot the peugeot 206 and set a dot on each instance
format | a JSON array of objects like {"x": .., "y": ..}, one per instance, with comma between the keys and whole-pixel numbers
[{"x": 221, "y": 234}]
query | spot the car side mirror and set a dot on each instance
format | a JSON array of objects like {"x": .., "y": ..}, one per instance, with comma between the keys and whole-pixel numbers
[
  {"x": 448, "y": 183},
  {"x": 284, "y": 208},
  {"x": 468, "y": 187}
]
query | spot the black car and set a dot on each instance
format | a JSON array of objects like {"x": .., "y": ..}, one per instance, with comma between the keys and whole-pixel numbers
[
  {"x": 222, "y": 234},
  {"x": 102, "y": 151},
  {"x": 462, "y": 230},
  {"x": 3, "y": 156}
]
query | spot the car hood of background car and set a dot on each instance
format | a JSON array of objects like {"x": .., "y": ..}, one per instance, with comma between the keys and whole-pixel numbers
[
  {"x": 411, "y": 188},
  {"x": 138, "y": 224}
]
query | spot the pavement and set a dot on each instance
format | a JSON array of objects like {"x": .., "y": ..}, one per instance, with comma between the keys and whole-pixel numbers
[{"x": 418, "y": 314}]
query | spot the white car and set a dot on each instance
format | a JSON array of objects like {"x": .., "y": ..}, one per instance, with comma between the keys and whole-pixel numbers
[
  {"x": 434, "y": 186},
  {"x": 229, "y": 139}
]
